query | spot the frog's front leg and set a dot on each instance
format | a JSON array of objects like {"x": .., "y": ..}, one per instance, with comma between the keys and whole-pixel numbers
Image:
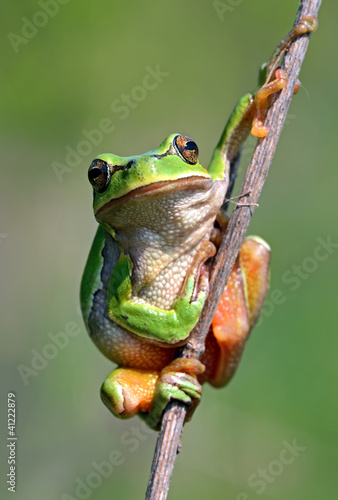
[
  {"x": 249, "y": 113},
  {"x": 151, "y": 322},
  {"x": 128, "y": 391}
]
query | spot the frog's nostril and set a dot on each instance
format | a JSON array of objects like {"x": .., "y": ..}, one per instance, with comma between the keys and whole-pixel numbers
[
  {"x": 129, "y": 164},
  {"x": 116, "y": 168}
]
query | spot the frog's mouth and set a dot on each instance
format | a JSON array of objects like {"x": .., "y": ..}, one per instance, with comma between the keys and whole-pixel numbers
[{"x": 193, "y": 183}]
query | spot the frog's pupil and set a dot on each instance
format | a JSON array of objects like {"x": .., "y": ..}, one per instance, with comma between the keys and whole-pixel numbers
[
  {"x": 187, "y": 148},
  {"x": 190, "y": 145},
  {"x": 94, "y": 174}
]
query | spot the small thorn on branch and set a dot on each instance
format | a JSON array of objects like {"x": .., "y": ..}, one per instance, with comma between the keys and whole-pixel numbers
[{"x": 240, "y": 196}]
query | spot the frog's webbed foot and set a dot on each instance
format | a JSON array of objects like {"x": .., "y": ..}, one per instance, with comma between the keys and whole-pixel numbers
[
  {"x": 177, "y": 381},
  {"x": 275, "y": 78},
  {"x": 262, "y": 101}
]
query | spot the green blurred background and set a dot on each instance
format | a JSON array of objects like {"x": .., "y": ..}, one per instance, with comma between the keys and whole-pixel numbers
[{"x": 61, "y": 79}]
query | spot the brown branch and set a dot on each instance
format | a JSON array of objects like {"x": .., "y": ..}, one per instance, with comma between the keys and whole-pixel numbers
[{"x": 173, "y": 417}]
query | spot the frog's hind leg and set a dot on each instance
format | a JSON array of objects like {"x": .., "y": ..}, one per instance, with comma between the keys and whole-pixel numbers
[
  {"x": 238, "y": 311},
  {"x": 254, "y": 259},
  {"x": 128, "y": 391}
]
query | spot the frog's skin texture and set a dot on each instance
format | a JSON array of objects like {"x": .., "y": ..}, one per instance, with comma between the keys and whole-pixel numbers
[{"x": 146, "y": 278}]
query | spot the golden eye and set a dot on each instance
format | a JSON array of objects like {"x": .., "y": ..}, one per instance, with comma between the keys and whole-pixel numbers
[
  {"x": 186, "y": 148},
  {"x": 99, "y": 175}
]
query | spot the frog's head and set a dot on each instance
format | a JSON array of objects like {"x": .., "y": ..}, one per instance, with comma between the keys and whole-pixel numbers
[{"x": 171, "y": 168}]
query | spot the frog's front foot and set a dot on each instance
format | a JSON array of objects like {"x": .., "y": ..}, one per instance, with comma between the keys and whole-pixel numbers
[
  {"x": 307, "y": 24},
  {"x": 177, "y": 381}
]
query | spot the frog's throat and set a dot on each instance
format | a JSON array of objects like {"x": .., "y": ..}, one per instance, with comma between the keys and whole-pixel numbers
[{"x": 161, "y": 187}]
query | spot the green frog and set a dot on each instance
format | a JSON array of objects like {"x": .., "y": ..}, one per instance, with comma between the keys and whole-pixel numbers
[{"x": 146, "y": 280}]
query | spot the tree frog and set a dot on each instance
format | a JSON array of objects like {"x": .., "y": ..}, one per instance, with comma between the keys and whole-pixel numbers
[{"x": 146, "y": 279}]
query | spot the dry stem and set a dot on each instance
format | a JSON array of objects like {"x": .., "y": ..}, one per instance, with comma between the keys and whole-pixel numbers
[{"x": 174, "y": 414}]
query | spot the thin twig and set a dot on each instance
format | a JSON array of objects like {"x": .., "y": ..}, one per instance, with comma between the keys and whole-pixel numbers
[{"x": 174, "y": 414}]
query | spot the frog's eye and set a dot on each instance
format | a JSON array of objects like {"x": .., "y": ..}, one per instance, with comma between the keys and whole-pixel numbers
[
  {"x": 187, "y": 148},
  {"x": 99, "y": 175}
]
